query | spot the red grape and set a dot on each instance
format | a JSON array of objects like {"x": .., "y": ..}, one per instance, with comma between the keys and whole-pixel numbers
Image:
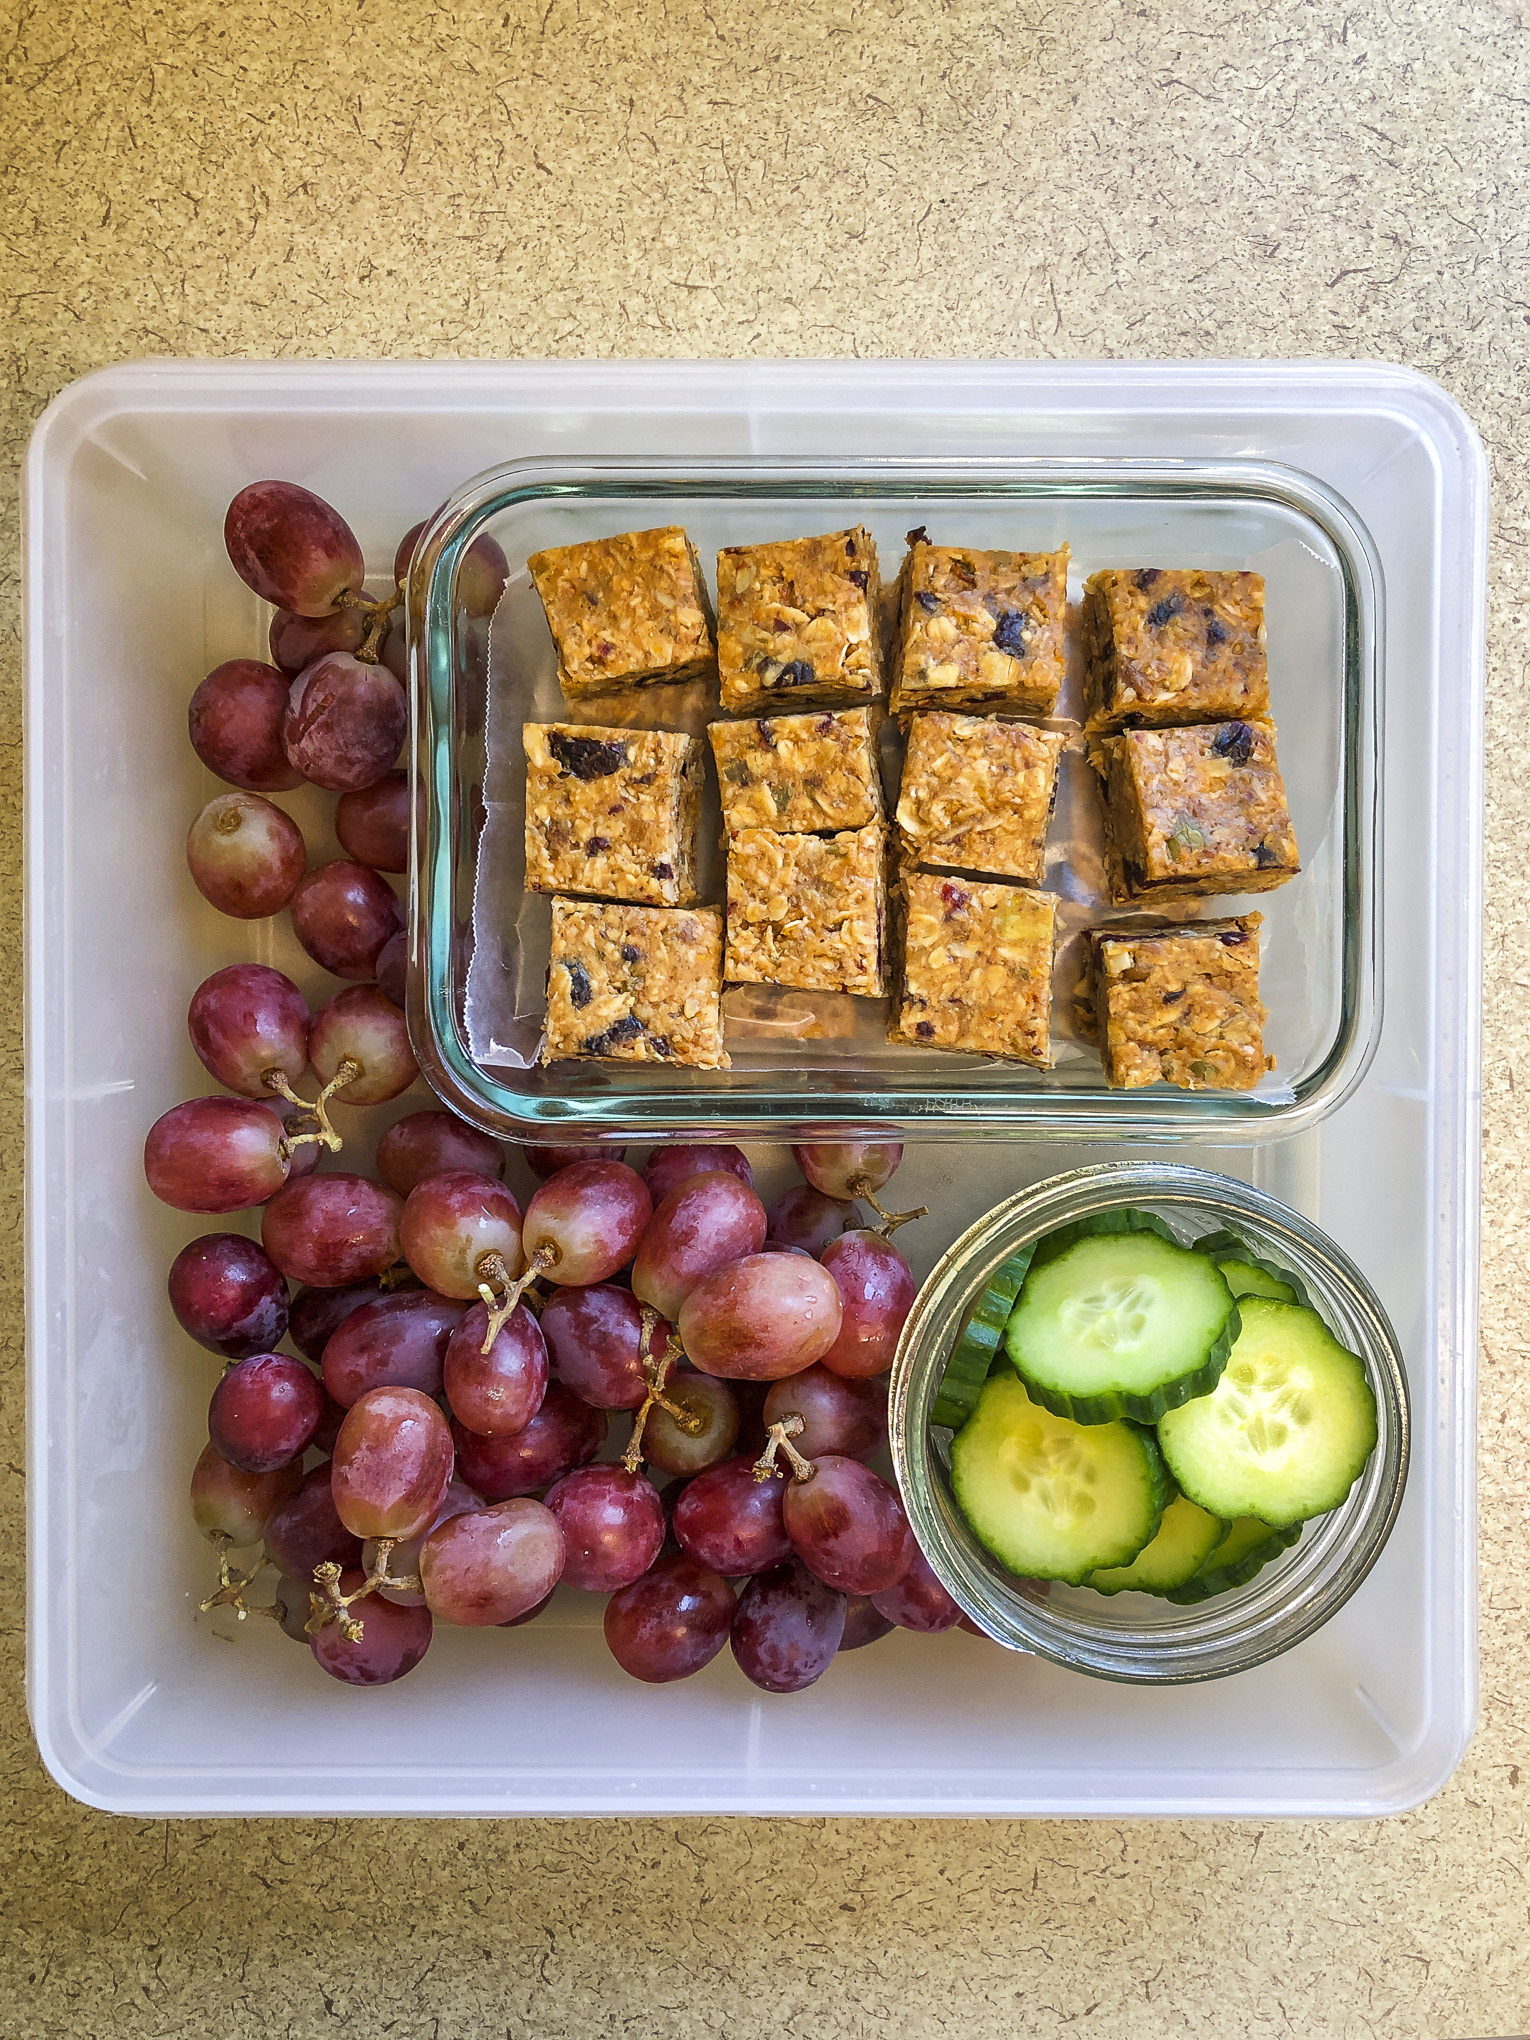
[
  {"x": 228, "y": 1502},
  {"x": 296, "y": 641},
  {"x": 363, "y": 1028},
  {"x": 391, "y": 1342},
  {"x": 246, "y": 1021},
  {"x": 918, "y": 1600},
  {"x": 304, "y": 1531},
  {"x": 264, "y": 1411},
  {"x": 372, "y": 823},
  {"x": 673, "y": 1448},
  {"x": 612, "y": 1522},
  {"x": 391, "y": 1643},
  {"x": 461, "y": 1230},
  {"x": 671, "y": 1622},
  {"x": 316, "y": 1313},
  {"x": 760, "y": 1318},
  {"x": 404, "y": 1556},
  {"x": 709, "y": 1221},
  {"x": 343, "y": 914},
  {"x": 864, "y": 1623},
  {"x": 491, "y": 1565},
  {"x": 345, "y": 722},
  {"x": 531, "y": 1614},
  {"x": 235, "y": 725},
  {"x": 731, "y": 1521},
  {"x": 496, "y": 1393},
  {"x": 392, "y": 968},
  {"x": 392, "y": 1461},
  {"x": 787, "y": 1628},
  {"x": 594, "y": 1344},
  {"x": 585, "y": 1222},
  {"x": 246, "y": 855},
  {"x": 877, "y": 1286},
  {"x": 848, "y": 1417},
  {"x": 427, "y": 1143},
  {"x": 395, "y": 653},
  {"x": 668, "y": 1167},
  {"x": 856, "y": 1168},
  {"x": 331, "y": 1231},
  {"x": 293, "y": 549},
  {"x": 805, "y": 1218},
  {"x": 227, "y": 1295},
  {"x": 296, "y": 1120},
  {"x": 326, "y": 1436},
  {"x": 215, "y": 1154},
  {"x": 481, "y": 577},
  {"x": 290, "y": 1606},
  {"x": 547, "y": 1161},
  {"x": 847, "y": 1525},
  {"x": 563, "y": 1434}
]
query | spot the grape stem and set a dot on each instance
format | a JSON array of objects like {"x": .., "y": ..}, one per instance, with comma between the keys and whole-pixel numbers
[
  {"x": 322, "y": 1131},
  {"x": 862, "y": 1186},
  {"x": 656, "y": 1380},
  {"x": 378, "y": 613},
  {"x": 779, "y": 1439},
  {"x": 501, "y": 1307},
  {"x": 231, "y": 1585},
  {"x": 330, "y": 1605}
]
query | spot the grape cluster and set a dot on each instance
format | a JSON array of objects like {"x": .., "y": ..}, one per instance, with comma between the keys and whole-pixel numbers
[{"x": 439, "y": 1447}]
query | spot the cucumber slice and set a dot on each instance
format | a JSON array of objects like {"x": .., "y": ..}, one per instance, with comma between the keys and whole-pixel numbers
[
  {"x": 1247, "y": 1274},
  {"x": 973, "y": 1354},
  {"x": 1186, "y": 1538},
  {"x": 1286, "y": 1431},
  {"x": 1051, "y": 1499},
  {"x": 1121, "y": 1324},
  {"x": 1246, "y": 1549}
]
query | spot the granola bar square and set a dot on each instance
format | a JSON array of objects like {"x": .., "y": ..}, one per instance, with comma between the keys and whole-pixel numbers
[
  {"x": 612, "y": 812},
  {"x": 635, "y": 984},
  {"x": 1180, "y": 1005},
  {"x": 980, "y": 629},
  {"x": 799, "y": 773},
  {"x": 808, "y": 911},
  {"x": 979, "y": 794},
  {"x": 630, "y": 611},
  {"x": 797, "y": 622},
  {"x": 1191, "y": 812},
  {"x": 977, "y": 968},
  {"x": 1166, "y": 645}
]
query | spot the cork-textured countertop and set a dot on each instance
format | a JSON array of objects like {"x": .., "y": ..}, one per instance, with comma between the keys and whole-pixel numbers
[{"x": 831, "y": 177}]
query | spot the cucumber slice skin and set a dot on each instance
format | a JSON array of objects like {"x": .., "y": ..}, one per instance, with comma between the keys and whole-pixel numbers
[
  {"x": 1124, "y": 1218},
  {"x": 973, "y": 1355},
  {"x": 1191, "y": 1372},
  {"x": 1016, "y": 1527},
  {"x": 1224, "y": 1246},
  {"x": 1249, "y": 1556},
  {"x": 1186, "y": 1538},
  {"x": 1288, "y": 1429}
]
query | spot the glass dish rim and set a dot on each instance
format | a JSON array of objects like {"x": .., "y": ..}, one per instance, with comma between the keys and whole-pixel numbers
[
  {"x": 1205, "y": 1646},
  {"x": 944, "y": 1108}
]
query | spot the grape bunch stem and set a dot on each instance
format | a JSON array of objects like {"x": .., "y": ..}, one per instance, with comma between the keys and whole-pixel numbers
[
  {"x": 323, "y": 1131},
  {"x": 232, "y": 1583},
  {"x": 779, "y": 1439},
  {"x": 330, "y": 1605},
  {"x": 378, "y": 613},
  {"x": 861, "y": 1186},
  {"x": 656, "y": 1375},
  {"x": 501, "y": 1306}
]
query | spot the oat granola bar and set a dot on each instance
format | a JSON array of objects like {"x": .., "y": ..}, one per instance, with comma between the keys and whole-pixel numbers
[
  {"x": 980, "y": 629},
  {"x": 979, "y": 794},
  {"x": 796, "y": 622},
  {"x": 799, "y": 772},
  {"x": 612, "y": 812},
  {"x": 1190, "y": 812},
  {"x": 808, "y": 911},
  {"x": 1180, "y": 1005},
  {"x": 629, "y": 611},
  {"x": 976, "y": 968},
  {"x": 635, "y": 984},
  {"x": 1173, "y": 646}
]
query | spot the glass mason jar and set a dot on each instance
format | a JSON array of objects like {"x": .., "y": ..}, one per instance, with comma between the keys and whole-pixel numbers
[{"x": 1138, "y": 1638}]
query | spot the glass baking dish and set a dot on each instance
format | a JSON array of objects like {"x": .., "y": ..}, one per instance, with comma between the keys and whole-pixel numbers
[{"x": 807, "y": 1064}]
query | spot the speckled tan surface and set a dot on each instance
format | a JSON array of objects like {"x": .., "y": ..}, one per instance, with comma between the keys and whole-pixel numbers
[{"x": 825, "y": 176}]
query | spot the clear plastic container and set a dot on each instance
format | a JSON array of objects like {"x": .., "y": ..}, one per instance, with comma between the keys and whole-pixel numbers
[
  {"x": 139, "y": 1706},
  {"x": 1138, "y": 1638},
  {"x": 802, "y": 1063}
]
